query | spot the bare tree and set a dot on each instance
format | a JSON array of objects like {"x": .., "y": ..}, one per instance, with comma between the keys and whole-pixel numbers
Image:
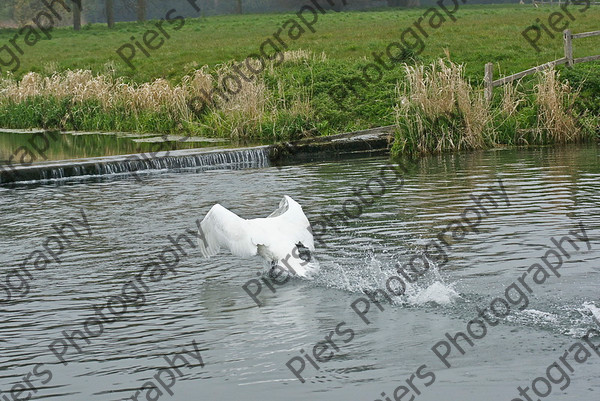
[
  {"x": 77, "y": 15},
  {"x": 141, "y": 10},
  {"x": 239, "y": 6},
  {"x": 110, "y": 13}
]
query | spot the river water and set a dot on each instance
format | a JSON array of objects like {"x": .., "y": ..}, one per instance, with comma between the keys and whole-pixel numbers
[{"x": 244, "y": 348}]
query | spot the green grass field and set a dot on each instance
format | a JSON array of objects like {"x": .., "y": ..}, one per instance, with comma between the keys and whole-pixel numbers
[{"x": 480, "y": 34}]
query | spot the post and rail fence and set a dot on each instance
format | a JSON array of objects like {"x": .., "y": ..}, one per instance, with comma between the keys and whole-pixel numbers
[{"x": 568, "y": 37}]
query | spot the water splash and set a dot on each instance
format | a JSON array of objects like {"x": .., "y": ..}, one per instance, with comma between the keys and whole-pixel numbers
[
  {"x": 438, "y": 292},
  {"x": 595, "y": 311},
  {"x": 371, "y": 274},
  {"x": 569, "y": 320}
]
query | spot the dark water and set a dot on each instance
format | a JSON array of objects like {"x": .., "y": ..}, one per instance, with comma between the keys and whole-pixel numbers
[
  {"x": 245, "y": 348},
  {"x": 40, "y": 147}
]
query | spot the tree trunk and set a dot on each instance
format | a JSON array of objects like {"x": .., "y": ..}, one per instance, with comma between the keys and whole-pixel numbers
[
  {"x": 77, "y": 15},
  {"x": 239, "y": 7},
  {"x": 141, "y": 10},
  {"x": 110, "y": 13}
]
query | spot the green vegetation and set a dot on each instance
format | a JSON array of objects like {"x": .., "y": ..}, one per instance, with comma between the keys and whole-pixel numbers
[
  {"x": 292, "y": 99},
  {"x": 481, "y": 34},
  {"x": 439, "y": 110}
]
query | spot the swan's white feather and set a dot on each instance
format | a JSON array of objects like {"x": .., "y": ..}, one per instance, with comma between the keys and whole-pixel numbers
[
  {"x": 222, "y": 228},
  {"x": 274, "y": 238}
]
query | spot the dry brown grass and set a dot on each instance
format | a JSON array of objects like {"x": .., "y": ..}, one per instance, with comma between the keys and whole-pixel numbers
[
  {"x": 253, "y": 108},
  {"x": 295, "y": 56},
  {"x": 440, "y": 110},
  {"x": 241, "y": 114},
  {"x": 511, "y": 99},
  {"x": 555, "y": 101}
]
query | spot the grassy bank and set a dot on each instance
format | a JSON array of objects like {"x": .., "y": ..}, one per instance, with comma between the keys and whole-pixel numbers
[
  {"x": 438, "y": 110},
  {"x": 482, "y": 33},
  {"x": 292, "y": 99}
]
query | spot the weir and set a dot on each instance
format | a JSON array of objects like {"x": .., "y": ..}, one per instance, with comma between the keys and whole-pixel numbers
[
  {"x": 255, "y": 157},
  {"x": 354, "y": 144}
]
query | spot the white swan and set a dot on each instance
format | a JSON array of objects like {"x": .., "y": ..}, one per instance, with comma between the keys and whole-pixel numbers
[{"x": 284, "y": 238}]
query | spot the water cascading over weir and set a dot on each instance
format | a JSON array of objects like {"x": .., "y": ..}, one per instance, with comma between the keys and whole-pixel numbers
[
  {"x": 367, "y": 142},
  {"x": 255, "y": 157}
]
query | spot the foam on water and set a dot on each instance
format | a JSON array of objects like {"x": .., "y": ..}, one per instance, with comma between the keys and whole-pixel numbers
[
  {"x": 593, "y": 309},
  {"x": 589, "y": 318},
  {"x": 535, "y": 317},
  {"x": 571, "y": 320},
  {"x": 371, "y": 275},
  {"x": 438, "y": 292}
]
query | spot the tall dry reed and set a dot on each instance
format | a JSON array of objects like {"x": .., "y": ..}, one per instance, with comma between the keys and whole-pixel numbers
[
  {"x": 241, "y": 114},
  {"x": 438, "y": 109},
  {"x": 256, "y": 108},
  {"x": 555, "y": 100}
]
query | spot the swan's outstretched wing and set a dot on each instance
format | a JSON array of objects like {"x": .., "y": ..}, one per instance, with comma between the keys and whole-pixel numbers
[
  {"x": 279, "y": 234},
  {"x": 222, "y": 228},
  {"x": 286, "y": 234},
  {"x": 291, "y": 217},
  {"x": 291, "y": 213},
  {"x": 283, "y": 207}
]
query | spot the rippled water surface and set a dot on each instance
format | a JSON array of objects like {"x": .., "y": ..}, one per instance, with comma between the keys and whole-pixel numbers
[{"x": 245, "y": 348}]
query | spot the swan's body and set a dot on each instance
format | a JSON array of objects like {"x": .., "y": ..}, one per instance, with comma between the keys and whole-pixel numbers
[{"x": 284, "y": 238}]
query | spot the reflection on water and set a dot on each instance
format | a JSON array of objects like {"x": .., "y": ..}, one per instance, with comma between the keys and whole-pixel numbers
[
  {"x": 245, "y": 348},
  {"x": 24, "y": 147}
]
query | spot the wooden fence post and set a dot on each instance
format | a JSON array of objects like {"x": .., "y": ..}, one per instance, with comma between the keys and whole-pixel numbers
[
  {"x": 141, "y": 10},
  {"x": 110, "y": 13},
  {"x": 489, "y": 81},
  {"x": 76, "y": 15},
  {"x": 568, "y": 40}
]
